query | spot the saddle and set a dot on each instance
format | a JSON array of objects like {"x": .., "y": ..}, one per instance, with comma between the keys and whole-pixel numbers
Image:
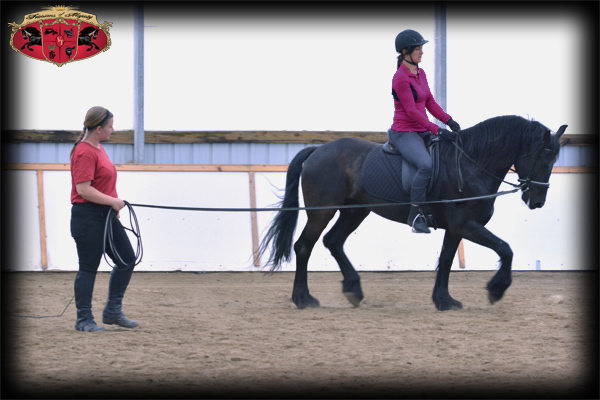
[
  {"x": 388, "y": 176},
  {"x": 409, "y": 170}
]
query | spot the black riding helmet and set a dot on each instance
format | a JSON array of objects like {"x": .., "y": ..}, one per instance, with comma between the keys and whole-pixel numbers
[{"x": 409, "y": 39}]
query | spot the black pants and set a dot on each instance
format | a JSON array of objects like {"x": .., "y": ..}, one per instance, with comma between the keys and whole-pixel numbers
[
  {"x": 412, "y": 146},
  {"x": 87, "y": 228}
]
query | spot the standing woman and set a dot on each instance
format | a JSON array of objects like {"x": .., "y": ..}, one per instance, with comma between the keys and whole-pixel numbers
[
  {"x": 411, "y": 130},
  {"x": 93, "y": 194}
]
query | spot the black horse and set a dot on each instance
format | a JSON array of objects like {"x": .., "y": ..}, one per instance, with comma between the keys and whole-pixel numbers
[
  {"x": 33, "y": 36},
  {"x": 332, "y": 174},
  {"x": 85, "y": 38}
]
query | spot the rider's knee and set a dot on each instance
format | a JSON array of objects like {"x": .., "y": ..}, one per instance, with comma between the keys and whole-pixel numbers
[{"x": 424, "y": 165}]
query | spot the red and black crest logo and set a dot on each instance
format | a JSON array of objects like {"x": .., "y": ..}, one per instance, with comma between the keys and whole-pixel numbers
[{"x": 60, "y": 35}]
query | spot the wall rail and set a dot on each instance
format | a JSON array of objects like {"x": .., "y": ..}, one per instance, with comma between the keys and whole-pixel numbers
[{"x": 194, "y": 137}]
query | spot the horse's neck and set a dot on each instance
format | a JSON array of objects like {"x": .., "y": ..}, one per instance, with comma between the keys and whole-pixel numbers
[{"x": 493, "y": 172}]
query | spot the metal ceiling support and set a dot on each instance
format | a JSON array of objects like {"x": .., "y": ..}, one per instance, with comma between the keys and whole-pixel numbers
[
  {"x": 439, "y": 90},
  {"x": 138, "y": 82}
]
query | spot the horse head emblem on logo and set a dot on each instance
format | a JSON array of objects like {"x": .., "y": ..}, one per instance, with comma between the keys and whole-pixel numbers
[{"x": 33, "y": 37}]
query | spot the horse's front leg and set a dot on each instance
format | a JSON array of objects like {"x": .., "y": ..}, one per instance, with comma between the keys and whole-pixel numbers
[
  {"x": 477, "y": 233},
  {"x": 441, "y": 296}
]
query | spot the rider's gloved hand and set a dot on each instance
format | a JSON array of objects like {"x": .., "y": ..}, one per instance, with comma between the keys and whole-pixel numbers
[
  {"x": 453, "y": 125},
  {"x": 445, "y": 134}
]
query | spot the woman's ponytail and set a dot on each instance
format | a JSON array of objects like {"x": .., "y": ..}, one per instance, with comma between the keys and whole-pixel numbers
[{"x": 79, "y": 139}]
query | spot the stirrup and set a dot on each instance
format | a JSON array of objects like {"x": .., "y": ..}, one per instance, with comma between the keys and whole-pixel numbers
[{"x": 419, "y": 224}]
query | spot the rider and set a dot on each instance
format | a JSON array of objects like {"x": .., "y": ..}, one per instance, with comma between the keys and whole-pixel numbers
[{"x": 411, "y": 129}]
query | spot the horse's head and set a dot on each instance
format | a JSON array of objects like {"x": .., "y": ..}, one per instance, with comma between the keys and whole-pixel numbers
[
  {"x": 30, "y": 31},
  {"x": 535, "y": 167}
]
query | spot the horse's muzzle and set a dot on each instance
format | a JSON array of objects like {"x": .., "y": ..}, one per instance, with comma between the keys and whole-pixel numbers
[{"x": 533, "y": 202}]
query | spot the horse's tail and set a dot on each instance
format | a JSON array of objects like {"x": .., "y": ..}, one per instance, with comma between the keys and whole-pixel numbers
[{"x": 281, "y": 232}]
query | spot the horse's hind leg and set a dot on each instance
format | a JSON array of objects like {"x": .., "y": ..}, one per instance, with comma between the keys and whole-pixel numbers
[
  {"x": 441, "y": 296},
  {"x": 317, "y": 222},
  {"x": 334, "y": 240}
]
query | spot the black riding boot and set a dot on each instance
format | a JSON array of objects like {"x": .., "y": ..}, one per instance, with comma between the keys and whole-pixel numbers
[
  {"x": 418, "y": 191},
  {"x": 84, "y": 289},
  {"x": 117, "y": 284}
]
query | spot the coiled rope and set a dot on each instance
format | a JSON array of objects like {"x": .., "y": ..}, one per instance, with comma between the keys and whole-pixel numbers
[{"x": 109, "y": 239}]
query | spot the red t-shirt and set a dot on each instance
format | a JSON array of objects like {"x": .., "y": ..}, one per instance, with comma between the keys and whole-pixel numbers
[
  {"x": 410, "y": 116},
  {"x": 92, "y": 164}
]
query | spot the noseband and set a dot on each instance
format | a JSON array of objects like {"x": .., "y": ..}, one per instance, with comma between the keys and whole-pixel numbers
[{"x": 527, "y": 182}]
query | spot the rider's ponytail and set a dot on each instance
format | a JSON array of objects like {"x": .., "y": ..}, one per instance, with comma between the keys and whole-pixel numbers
[{"x": 402, "y": 56}]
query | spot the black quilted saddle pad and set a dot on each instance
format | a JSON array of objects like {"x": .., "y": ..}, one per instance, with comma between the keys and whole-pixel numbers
[
  {"x": 389, "y": 177},
  {"x": 382, "y": 176}
]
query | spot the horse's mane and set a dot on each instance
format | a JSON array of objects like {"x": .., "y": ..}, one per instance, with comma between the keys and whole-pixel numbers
[{"x": 500, "y": 140}]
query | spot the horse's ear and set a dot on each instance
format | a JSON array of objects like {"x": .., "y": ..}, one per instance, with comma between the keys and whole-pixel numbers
[
  {"x": 547, "y": 137},
  {"x": 560, "y": 131}
]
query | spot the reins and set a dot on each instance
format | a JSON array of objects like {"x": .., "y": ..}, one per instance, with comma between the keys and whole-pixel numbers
[
  {"x": 524, "y": 183},
  {"x": 459, "y": 152}
]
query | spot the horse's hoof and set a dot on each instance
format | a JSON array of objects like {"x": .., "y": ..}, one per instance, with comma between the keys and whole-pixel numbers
[
  {"x": 353, "y": 292},
  {"x": 454, "y": 306},
  {"x": 497, "y": 287},
  {"x": 448, "y": 305},
  {"x": 493, "y": 298},
  {"x": 353, "y": 298},
  {"x": 496, "y": 291},
  {"x": 306, "y": 302}
]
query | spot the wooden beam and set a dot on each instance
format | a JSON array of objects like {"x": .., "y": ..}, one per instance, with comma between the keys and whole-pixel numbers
[
  {"x": 579, "y": 140},
  {"x": 42, "y": 218},
  {"x": 461, "y": 255},
  {"x": 194, "y": 137},
  {"x": 575, "y": 170},
  {"x": 254, "y": 219}
]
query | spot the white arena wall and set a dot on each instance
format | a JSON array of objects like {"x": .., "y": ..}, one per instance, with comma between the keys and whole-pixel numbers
[{"x": 37, "y": 216}]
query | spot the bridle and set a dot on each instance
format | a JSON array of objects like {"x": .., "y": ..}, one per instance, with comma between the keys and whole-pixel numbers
[{"x": 525, "y": 184}]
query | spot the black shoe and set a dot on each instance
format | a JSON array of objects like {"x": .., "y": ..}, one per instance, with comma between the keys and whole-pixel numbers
[
  {"x": 419, "y": 225},
  {"x": 121, "y": 320}
]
